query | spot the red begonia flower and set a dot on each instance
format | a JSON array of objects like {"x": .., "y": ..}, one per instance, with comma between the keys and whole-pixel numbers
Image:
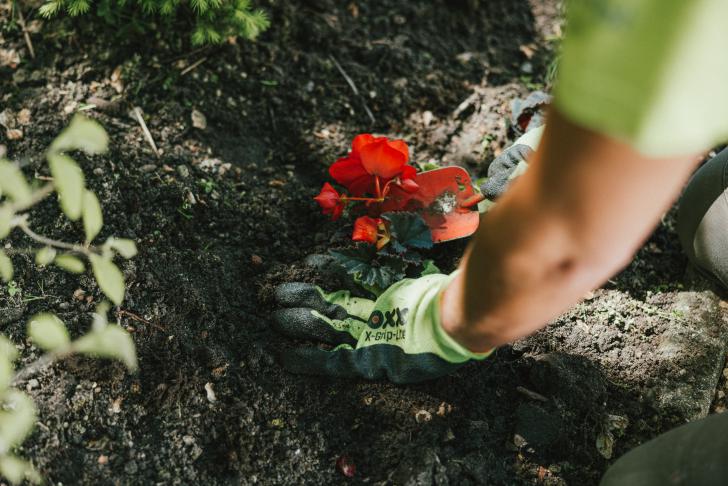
[
  {"x": 383, "y": 158},
  {"x": 372, "y": 157},
  {"x": 330, "y": 201},
  {"x": 349, "y": 172},
  {"x": 365, "y": 229}
]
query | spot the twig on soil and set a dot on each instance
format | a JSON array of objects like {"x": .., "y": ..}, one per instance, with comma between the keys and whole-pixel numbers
[
  {"x": 26, "y": 34},
  {"x": 353, "y": 87},
  {"x": 272, "y": 119},
  {"x": 531, "y": 394},
  {"x": 192, "y": 66},
  {"x": 145, "y": 129},
  {"x": 187, "y": 54},
  {"x": 135, "y": 317}
]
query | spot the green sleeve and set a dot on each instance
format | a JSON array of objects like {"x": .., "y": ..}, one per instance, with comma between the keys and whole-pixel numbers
[{"x": 651, "y": 73}]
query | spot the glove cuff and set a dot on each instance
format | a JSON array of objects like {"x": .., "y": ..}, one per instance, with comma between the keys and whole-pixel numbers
[{"x": 449, "y": 348}]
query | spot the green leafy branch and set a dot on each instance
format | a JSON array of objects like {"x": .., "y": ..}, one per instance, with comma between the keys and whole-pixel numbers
[
  {"x": 215, "y": 19},
  {"x": 17, "y": 410},
  {"x": 77, "y": 202}
]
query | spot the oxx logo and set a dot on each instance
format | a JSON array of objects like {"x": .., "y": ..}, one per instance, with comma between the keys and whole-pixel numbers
[{"x": 381, "y": 320}]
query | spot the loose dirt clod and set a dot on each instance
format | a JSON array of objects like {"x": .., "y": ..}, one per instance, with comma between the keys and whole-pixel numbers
[{"x": 211, "y": 397}]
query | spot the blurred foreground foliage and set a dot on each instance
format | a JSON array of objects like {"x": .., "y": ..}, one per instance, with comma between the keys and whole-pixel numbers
[{"x": 18, "y": 196}]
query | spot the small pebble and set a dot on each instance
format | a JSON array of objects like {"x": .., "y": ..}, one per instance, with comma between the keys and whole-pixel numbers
[
  {"x": 256, "y": 260},
  {"x": 23, "y": 117},
  {"x": 32, "y": 384},
  {"x": 103, "y": 459},
  {"x": 148, "y": 168},
  {"x": 14, "y": 134},
  {"x": 210, "y": 393},
  {"x": 199, "y": 120},
  {"x": 346, "y": 466},
  {"x": 423, "y": 416},
  {"x": 183, "y": 171}
]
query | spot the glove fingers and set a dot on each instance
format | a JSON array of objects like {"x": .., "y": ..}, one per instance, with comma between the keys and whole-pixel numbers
[
  {"x": 300, "y": 294},
  {"x": 338, "y": 363},
  {"x": 377, "y": 362},
  {"x": 305, "y": 323},
  {"x": 336, "y": 305}
]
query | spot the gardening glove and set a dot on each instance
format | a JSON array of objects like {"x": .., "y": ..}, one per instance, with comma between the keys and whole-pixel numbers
[
  {"x": 398, "y": 337},
  {"x": 510, "y": 164}
]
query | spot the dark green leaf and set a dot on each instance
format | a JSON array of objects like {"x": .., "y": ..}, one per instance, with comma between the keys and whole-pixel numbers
[
  {"x": 369, "y": 268},
  {"x": 408, "y": 230}
]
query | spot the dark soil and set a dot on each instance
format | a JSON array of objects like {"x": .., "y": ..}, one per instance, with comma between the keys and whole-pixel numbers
[{"x": 225, "y": 213}]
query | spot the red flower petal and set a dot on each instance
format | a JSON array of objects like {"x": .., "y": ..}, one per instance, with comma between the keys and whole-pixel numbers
[
  {"x": 409, "y": 185},
  {"x": 401, "y": 146},
  {"x": 336, "y": 212},
  {"x": 382, "y": 158},
  {"x": 361, "y": 140},
  {"x": 328, "y": 198},
  {"x": 408, "y": 172},
  {"x": 350, "y": 173},
  {"x": 365, "y": 229},
  {"x": 330, "y": 201}
]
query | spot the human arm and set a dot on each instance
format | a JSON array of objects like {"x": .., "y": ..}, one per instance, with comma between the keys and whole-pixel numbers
[{"x": 564, "y": 227}]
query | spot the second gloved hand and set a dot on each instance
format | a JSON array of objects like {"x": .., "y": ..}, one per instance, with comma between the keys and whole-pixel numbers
[
  {"x": 397, "y": 337},
  {"x": 510, "y": 164}
]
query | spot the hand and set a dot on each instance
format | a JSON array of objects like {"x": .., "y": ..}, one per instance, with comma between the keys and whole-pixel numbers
[
  {"x": 397, "y": 337},
  {"x": 510, "y": 164}
]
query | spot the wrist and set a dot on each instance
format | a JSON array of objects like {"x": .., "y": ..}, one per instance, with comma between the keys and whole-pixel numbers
[{"x": 453, "y": 322}]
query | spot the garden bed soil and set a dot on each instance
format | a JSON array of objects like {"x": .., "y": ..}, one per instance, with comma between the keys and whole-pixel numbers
[{"x": 224, "y": 213}]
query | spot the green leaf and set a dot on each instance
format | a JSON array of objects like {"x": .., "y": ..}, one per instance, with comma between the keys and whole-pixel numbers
[
  {"x": 48, "y": 332},
  {"x": 368, "y": 268},
  {"x": 408, "y": 230},
  {"x": 49, "y": 9},
  {"x": 429, "y": 268},
  {"x": 109, "y": 342},
  {"x": 125, "y": 248},
  {"x": 44, "y": 256},
  {"x": 16, "y": 470},
  {"x": 93, "y": 219},
  {"x": 100, "y": 317},
  {"x": 70, "y": 263},
  {"x": 7, "y": 370},
  {"x": 81, "y": 134},
  {"x": 69, "y": 181},
  {"x": 109, "y": 277},
  {"x": 6, "y": 267},
  {"x": 7, "y": 348},
  {"x": 17, "y": 417},
  {"x": 6, "y": 220},
  {"x": 13, "y": 183}
]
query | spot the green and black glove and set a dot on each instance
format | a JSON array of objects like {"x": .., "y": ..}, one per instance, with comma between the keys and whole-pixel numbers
[
  {"x": 510, "y": 164},
  {"x": 397, "y": 337}
]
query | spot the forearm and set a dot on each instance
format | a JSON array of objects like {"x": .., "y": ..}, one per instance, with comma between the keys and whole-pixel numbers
[{"x": 564, "y": 227}]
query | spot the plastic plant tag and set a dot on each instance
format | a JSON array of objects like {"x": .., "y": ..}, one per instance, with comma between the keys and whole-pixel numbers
[{"x": 446, "y": 200}]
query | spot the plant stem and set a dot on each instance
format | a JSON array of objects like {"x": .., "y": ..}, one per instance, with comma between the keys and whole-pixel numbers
[
  {"x": 37, "y": 197},
  {"x": 379, "y": 189},
  {"x": 35, "y": 366},
  {"x": 22, "y": 223},
  {"x": 365, "y": 199}
]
